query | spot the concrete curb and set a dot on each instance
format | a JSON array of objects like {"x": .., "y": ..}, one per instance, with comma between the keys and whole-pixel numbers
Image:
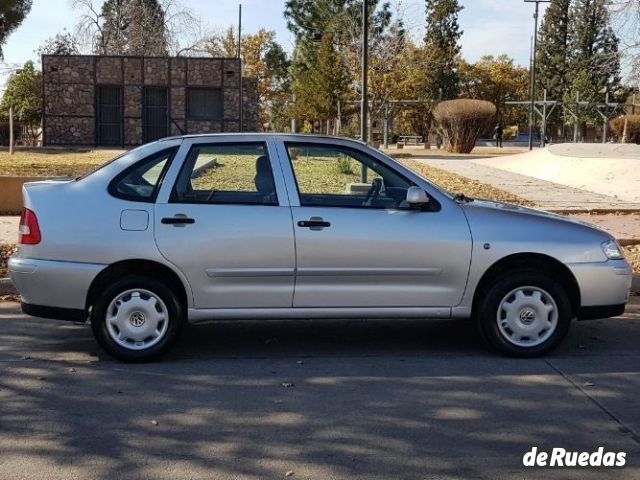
[{"x": 6, "y": 287}]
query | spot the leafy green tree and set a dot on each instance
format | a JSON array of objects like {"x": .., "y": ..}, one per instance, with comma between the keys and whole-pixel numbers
[
  {"x": 554, "y": 55},
  {"x": 132, "y": 27},
  {"x": 319, "y": 81},
  {"x": 441, "y": 42},
  {"x": 24, "y": 94},
  {"x": 12, "y": 13},
  {"x": 595, "y": 60}
]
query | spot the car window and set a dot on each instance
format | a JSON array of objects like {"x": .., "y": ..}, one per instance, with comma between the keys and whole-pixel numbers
[
  {"x": 140, "y": 182},
  {"x": 226, "y": 174},
  {"x": 333, "y": 177}
]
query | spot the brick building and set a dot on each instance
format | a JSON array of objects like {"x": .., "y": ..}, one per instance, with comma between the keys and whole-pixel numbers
[{"x": 125, "y": 101}]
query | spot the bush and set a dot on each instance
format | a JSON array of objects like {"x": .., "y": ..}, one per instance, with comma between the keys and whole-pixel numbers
[
  {"x": 460, "y": 122},
  {"x": 633, "y": 128},
  {"x": 344, "y": 166}
]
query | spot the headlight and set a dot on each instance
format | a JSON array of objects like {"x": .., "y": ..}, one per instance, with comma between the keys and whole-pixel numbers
[{"x": 612, "y": 250}]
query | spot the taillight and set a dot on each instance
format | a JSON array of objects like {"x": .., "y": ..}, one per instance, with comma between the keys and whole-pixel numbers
[{"x": 29, "y": 229}]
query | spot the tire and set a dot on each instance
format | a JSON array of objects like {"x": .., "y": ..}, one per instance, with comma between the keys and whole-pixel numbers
[
  {"x": 146, "y": 319},
  {"x": 524, "y": 313}
]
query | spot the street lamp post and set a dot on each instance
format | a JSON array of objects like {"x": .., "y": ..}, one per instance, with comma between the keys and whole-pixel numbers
[
  {"x": 364, "y": 101},
  {"x": 533, "y": 67}
]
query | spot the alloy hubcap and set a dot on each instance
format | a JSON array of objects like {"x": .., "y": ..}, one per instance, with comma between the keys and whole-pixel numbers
[
  {"x": 137, "y": 319},
  {"x": 527, "y": 316}
]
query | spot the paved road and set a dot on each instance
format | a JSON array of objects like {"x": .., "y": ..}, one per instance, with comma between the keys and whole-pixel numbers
[{"x": 324, "y": 400}]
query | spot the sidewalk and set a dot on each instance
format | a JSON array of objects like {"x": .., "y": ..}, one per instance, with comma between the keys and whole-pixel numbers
[{"x": 545, "y": 195}]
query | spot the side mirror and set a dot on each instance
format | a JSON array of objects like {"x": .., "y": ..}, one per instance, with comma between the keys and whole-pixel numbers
[{"x": 416, "y": 197}]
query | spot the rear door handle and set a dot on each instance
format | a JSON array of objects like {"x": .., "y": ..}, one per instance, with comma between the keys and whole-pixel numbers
[
  {"x": 178, "y": 220},
  {"x": 314, "y": 223}
]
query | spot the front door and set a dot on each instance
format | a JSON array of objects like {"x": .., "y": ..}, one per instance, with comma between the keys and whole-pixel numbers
[
  {"x": 359, "y": 245},
  {"x": 227, "y": 226}
]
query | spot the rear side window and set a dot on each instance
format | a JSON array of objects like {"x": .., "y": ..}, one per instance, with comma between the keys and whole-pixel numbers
[
  {"x": 140, "y": 182},
  {"x": 226, "y": 174}
]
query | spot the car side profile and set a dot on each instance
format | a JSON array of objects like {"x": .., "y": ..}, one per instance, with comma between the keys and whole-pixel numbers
[{"x": 260, "y": 226}]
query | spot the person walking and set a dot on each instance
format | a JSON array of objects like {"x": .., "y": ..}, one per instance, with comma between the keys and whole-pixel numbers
[{"x": 497, "y": 134}]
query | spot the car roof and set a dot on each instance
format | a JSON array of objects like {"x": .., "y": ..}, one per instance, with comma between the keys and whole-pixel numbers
[{"x": 262, "y": 134}]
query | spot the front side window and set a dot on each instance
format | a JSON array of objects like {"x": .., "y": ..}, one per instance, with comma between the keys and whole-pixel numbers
[
  {"x": 332, "y": 177},
  {"x": 140, "y": 182},
  {"x": 226, "y": 174}
]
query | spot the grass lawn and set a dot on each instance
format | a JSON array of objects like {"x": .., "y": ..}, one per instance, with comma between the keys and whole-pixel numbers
[{"x": 53, "y": 162}]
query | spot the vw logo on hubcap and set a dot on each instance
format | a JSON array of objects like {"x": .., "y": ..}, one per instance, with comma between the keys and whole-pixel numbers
[
  {"x": 137, "y": 319},
  {"x": 527, "y": 316}
]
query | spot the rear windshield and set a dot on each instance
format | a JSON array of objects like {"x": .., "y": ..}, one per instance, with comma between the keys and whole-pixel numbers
[{"x": 130, "y": 156}]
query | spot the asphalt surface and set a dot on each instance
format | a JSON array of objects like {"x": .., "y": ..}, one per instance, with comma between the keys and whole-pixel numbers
[{"x": 314, "y": 400}]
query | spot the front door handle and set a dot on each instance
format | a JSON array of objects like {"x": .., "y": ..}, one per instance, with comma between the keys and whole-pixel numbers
[
  {"x": 314, "y": 223},
  {"x": 178, "y": 220}
]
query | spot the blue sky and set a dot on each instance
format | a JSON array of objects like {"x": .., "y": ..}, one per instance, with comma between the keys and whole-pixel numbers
[{"x": 490, "y": 26}]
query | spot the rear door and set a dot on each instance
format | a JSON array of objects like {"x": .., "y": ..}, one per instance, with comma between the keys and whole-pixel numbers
[{"x": 224, "y": 220}]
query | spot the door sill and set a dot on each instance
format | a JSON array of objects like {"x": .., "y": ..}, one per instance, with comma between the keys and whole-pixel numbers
[{"x": 198, "y": 315}]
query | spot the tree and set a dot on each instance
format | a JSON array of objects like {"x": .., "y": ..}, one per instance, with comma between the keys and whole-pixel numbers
[
  {"x": 431, "y": 68},
  {"x": 139, "y": 27},
  {"x": 594, "y": 58},
  {"x": 127, "y": 25},
  {"x": 63, "y": 43},
  {"x": 318, "y": 87},
  {"x": 441, "y": 42},
  {"x": 12, "y": 13},
  {"x": 498, "y": 80},
  {"x": 339, "y": 22},
  {"x": 24, "y": 93},
  {"x": 264, "y": 59},
  {"x": 554, "y": 55}
]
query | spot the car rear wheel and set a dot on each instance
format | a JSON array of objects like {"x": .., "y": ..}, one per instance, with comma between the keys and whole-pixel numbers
[
  {"x": 137, "y": 319},
  {"x": 524, "y": 314}
]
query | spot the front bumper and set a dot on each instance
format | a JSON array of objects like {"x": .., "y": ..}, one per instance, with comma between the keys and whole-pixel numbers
[
  {"x": 56, "y": 284},
  {"x": 604, "y": 287}
]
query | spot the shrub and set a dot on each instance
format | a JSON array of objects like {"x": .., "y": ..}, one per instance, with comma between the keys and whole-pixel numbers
[
  {"x": 632, "y": 135},
  {"x": 460, "y": 122},
  {"x": 344, "y": 166}
]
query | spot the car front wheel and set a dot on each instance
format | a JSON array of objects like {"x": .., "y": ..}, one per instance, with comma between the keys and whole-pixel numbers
[
  {"x": 524, "y": 314},
  {"x": 137, "y": 319}
]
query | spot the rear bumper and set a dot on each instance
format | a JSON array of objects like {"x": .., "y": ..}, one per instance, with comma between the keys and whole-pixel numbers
[{"x": 58, "y": 285}]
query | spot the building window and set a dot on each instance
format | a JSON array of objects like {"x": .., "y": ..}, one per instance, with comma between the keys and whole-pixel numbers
[{"x": 204, "y": 104}]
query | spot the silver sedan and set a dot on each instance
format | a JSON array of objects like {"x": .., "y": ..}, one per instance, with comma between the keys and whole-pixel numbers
[{"x": 252, "y": 226}]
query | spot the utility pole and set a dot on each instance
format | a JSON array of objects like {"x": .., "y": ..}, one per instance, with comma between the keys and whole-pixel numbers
[
  {"x": 364, "y": 101},
  {"x": 241, "y": 109},
  {"x": 533, "y": 67}
]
